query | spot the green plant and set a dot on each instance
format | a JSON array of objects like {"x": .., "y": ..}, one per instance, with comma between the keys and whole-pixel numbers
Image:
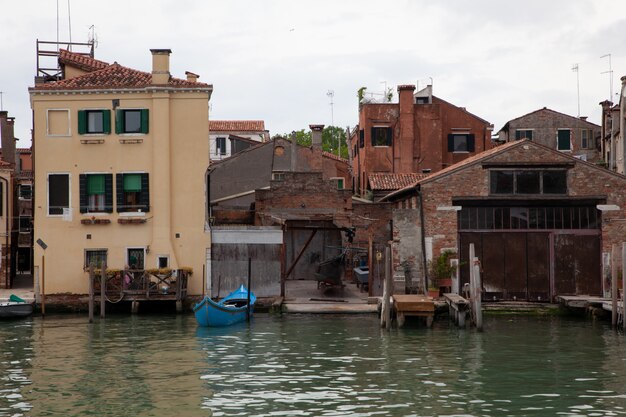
[{"x": 440, "y": 268}]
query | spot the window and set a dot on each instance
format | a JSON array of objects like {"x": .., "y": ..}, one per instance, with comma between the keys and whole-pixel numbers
[
  {"x": 96, "y": 193},
  {"x": 535, "y": 217},
  {"x": 94, "y": 122},
  {"x": 340, "y": 182},
  {"x": 361, "y": 138},
  {"x": 523, "y": 134},
  {"x": 58, "y": 193},
  {"x": 528, "y": 181},
  {"x": 421, "y": 100},
  {"x": 163, "y": 262},
  {"x": 1, "y": 198},
  {"x": 131, "y": 121},
  {"x": 58, "y": 123},
  {"x": 25, "y": 224},
  {"x": 563, "y": 140},
  {"x": 460, "y": 142},
  {"x": 586, "y": 139},
  {"x": 25, "y": 191},
  {"x": 278, "y": 176},
  {"x": 381, "y": 136},
  {"x": 220, "y": 146},
  {"x": 132, "y": 192},
  {"x": 95, "y": 257}
]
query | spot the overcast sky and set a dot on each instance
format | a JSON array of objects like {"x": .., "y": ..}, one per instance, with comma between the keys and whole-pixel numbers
[{"x": 277, "y": 60}]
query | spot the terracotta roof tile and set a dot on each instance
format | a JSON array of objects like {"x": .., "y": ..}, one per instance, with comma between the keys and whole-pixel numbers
[
  {"x": 81, "y": 61},
  {"x": 387, "y": 181},
  {"x": 115, "y": 76},
  {"x": 333, "y": 156},
  {"x": 236, "y": 125}
]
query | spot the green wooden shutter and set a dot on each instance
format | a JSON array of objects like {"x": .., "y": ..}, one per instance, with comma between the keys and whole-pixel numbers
[
  {"x": 144, "y": 196},
  {"x": 144, "y": 121},
  {"x": 119, "y": 121},
  {"x": 82, "y": 187},
  {"x": 108, "y": 193},
  {"x": 106, "y": 122},
  {"x": 82, "y": 122},
  {"x": 518, "y": 135},
  {"x": 119, "y": 191},
  {"x": 450, "y": 142}
]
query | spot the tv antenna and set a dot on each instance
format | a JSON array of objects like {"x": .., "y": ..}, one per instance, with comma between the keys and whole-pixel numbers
[
  {"x": 331, "y": 94},
  {"x": 610, "y": 72},
  {"x": 575, "y": 69},
  {"x": 1, "y": 102},
  {"x": 93, "y": 37}
]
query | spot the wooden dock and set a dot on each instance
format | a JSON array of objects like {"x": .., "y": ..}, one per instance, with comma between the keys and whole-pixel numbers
[
  {"x": 414, "y": 305},
  {"x": 458, "y": 307},
  {"x": 581, "y": 301}
]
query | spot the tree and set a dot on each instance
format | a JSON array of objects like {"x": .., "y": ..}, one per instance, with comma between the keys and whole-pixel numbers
[{"x": 332, "y": 137}]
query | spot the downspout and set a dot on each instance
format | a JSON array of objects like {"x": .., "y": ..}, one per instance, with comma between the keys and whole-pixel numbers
[
  {"x": 423, "y": 233},
  {"x": 622, "y": 109},
  {"x": 6, "y": 237}
]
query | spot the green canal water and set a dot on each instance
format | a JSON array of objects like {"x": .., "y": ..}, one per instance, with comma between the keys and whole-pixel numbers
[{"x": 309, "y": 366}]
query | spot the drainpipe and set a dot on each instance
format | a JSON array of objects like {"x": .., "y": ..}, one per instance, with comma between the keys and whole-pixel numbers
[
  {"x": 6, "y": 237},
  {"x": 622, "y": 109},
  {"x": 423, "y": 233}
]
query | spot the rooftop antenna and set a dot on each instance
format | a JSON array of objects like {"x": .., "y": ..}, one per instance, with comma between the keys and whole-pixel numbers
[
  {"x": 1, "y": 103},
  {"x": 93, "y": 37},
  {"x": 57, "y": 25},
  {"x": 575, "y": 69},
  {"x": 69, "y": 24},
  {"x": 331, "y": 94},
  {"x": 610, "y": 72}
]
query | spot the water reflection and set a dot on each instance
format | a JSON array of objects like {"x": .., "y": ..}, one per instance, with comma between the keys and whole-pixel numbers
[{"x": 309, "y": 366}]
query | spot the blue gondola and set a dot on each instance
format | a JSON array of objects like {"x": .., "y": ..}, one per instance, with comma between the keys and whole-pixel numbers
[{"x": 230, "y": 310}]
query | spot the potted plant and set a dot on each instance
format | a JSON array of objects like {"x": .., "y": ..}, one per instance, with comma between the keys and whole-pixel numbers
[{"x": 440, "y": 272}]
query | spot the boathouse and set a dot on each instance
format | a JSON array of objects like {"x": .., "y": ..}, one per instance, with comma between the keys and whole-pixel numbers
[{"x": 542, "y": 221}]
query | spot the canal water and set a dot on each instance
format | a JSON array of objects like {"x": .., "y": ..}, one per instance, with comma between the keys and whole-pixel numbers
[{"x": 309, "y": 366}]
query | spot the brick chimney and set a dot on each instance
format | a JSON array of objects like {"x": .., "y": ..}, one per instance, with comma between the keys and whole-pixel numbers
[
  {"x": 160, "y": 66},
  {"x": 316, "y": 145},
  {"x": 7, "y": 126},
  {"x": 405, "y": 146},
  {"x": 191, "y": 77}
]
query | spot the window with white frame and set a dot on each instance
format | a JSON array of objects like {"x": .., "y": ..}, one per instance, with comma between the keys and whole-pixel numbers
[
  {"x": 131, "y": 121},
  {"x": 132, "y": 192},
  {"x": 563, "y": 140},
  {"x": 220, "y": 146},
  {"x": 94, "y": 122},
  {"x": 96, "y": 193},
  {"x": 58, "y": 193}
]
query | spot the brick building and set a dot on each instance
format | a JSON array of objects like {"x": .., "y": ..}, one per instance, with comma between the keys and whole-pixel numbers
[
  {"x": 228, "y": 137},
  {"x": 420, "y": 134},
  {"x": 612, "y": 143},
  {"x": 565, "y": 133},
  {"x": 541, "y": 220}
]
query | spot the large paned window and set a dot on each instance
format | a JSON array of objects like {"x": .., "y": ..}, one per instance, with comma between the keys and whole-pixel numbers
[
  {"x": 94, "y": 122},
  {"x": 95, "y": 257},
  {"x": 523, "y": 134},
  {"x": 58, "y": 193},
  {"x": 535, "y": 181},
  {"x": 382, "y": 136},
  {"x": 133, "y": 192},
  {"x": 25, "y": 191},
  {"x": 586, "y": 139},
  {"x": 537, "y": 218},
  {"x": 460, "y": 142},
  {"x": 563, "y": 140},
  {"x": 131, "y": 121},
  {"x": 96, "y": 193}
]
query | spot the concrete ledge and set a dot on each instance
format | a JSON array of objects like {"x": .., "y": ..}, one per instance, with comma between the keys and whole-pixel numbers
[{"x": 331, "y": 308}]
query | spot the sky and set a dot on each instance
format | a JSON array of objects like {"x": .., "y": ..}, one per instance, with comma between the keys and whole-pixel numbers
[{"x": 278, "y": 60}]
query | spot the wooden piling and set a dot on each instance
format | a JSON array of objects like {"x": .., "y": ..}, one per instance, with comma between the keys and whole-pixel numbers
[
  {"x": 385, "y": 316},
  {"x": 478, "y": 294},
  {"x": 103, "y": 275},
  {"x": 43, "y": 286},
  {"x": 249, "y": 289},
  {"x": 614, "y": 286},
  {"x": 91, "y": 292},
  {"x": 624, "y": 286}
]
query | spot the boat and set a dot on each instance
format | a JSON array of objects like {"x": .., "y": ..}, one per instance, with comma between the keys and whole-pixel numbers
[
  {"x": 230, "y": 310},
  {"x": 15, "y": 307}
]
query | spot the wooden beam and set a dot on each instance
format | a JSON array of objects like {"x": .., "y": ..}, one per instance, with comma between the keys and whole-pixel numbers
[{"x": 295, "y": 262}]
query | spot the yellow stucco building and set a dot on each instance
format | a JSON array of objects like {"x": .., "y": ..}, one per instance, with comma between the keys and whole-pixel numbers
[{"x": 120, "y": 158}]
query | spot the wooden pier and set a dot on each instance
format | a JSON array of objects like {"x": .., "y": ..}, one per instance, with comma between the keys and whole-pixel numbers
[
  {"x": 458, "y": 307},
  {"x": 414, "y": 305}
]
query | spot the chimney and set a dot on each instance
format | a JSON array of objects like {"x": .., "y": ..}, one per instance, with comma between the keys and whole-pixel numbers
[
  {"x": 7, "y": 137},
  {"x": 316, "y": 136},
  {"x": 160, "y": 66},
  {"x": 191, "y": 77},
  {"x": 405, "y": 147},
  {"x": 583, "y": 118},
  {"x": 294, "y": 152}
]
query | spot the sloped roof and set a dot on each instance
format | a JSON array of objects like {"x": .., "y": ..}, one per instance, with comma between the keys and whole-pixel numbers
[
  {"x": 547, "y": 110},
  {"x": 114, "y": 76},
  {"x": 236, "y": 125},
  {"x": 335, "y": 157},
  {"x": 81, "y": 61},
  {"x": 380, "y": 181}
]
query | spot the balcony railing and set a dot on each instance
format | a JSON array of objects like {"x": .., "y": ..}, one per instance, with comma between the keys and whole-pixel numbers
[{"x": 141, "y": 284}]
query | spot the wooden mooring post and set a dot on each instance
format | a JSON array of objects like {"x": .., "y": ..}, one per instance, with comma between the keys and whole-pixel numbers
[
  {"x": 614, "y": 311},
  {"x": 91, "y": 291},
  {"x": 103, "y": 283},
  {"x": 385, "y": 314},
  {"x": 624, "y": 286},
  {"x": 475, "y": 288}
]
